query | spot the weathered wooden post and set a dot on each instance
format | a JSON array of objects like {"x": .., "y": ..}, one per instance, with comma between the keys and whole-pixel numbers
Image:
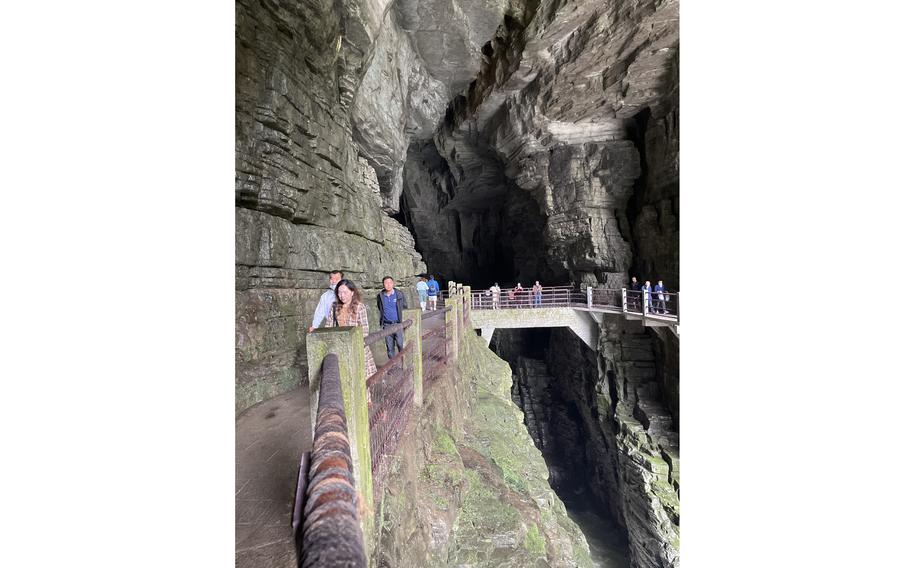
[
  {"x": 467, "y": 308},
  {"x": 452, "y": 321},
  {"x": 624, "y": 301},
  {"x": 590, "y": 297},
  {"x": 347, "y": 344},
  {"x": 412, "y": 337}
]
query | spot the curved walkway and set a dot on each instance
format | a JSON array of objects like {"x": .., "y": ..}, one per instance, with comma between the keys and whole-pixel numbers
[{"x": 270, "y": 438}]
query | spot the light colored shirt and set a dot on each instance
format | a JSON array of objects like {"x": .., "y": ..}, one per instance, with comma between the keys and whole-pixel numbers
[
  {"x": 324, "y": 308},
  {"x": 422, "y": 287}
]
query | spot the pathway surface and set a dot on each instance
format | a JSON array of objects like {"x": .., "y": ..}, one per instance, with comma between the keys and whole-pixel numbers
[{"x": 270, "y": 437}]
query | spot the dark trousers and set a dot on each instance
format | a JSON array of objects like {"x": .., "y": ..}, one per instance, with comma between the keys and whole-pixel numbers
[{"x": 391, "y": 340}]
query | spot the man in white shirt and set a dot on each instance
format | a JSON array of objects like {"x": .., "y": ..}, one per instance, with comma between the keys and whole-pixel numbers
[{"x": 324, "y": 308}]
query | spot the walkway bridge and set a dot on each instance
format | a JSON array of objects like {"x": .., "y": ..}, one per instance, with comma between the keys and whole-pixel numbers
[{"x": 560, "y": 306}]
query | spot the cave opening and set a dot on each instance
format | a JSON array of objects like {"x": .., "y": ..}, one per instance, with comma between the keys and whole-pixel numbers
[{"x": 493, "y": 231}]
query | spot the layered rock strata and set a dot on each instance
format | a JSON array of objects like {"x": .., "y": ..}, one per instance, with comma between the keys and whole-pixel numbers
[
  {"x": 307, "y": 201},
  {"x": 601, "y": 422}
]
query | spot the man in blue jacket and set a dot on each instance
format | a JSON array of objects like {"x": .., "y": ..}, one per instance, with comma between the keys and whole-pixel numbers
[
  {"x": 432, "y": 292},
  {"x": 390, "y": 303}
]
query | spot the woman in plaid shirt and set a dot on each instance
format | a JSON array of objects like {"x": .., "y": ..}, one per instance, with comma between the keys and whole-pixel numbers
[{"x": 348, "y": 309}]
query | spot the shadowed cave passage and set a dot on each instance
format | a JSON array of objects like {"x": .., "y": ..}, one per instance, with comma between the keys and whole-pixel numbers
[
  {"x": 557, "y": 426},
  {"x": 489, "y": 230}
]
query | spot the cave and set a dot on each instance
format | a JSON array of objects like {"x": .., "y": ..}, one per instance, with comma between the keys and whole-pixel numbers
[{"x": 495, "y": 142}]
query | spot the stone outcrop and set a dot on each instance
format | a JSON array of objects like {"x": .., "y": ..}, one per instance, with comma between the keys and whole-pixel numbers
[
  {"x": 601, "y": 423},
  {"x": 469, "y": 487}
]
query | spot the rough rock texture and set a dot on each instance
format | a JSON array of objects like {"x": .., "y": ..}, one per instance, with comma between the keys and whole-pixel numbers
[
  {"x": 600, "y": 421},
  {"x": 469, "y": 487},
  {"x": 306, "y": 202},
  {"x": 517, "y": 140},
  {"x": 569, "y": 97}
]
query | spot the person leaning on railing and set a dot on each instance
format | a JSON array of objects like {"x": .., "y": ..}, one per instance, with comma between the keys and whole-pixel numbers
[{"x": 348, "y": 309}]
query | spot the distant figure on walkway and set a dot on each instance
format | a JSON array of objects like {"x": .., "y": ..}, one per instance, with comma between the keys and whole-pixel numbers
[
  {"x": 519, "y": 291},
  {"x": 646, "y": 294},
  {"x": 537, "y": 290},
  {"x": 661, "y": 306},
  {"x": 495, "y": 292},
  {"x": 422, "y": 292},
  {"x": 432, "y": 292},
  {"x": 635, "y": 297},
  {"x": 348, "y": 309},
  {"x": 390, "y": 303},
  {"x": 324, "y": 307}
]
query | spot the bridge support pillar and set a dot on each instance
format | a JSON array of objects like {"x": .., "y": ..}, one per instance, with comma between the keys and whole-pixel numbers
[
  {"x": 412, "y": 335},
  {"x": 487, "y": 334},
  {"x": 347, "y": 344}
]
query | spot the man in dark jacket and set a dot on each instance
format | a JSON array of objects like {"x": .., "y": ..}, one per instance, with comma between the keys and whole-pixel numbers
[
  {"x": 635, "y": 297},
  {"x": 390, "y": 303}
]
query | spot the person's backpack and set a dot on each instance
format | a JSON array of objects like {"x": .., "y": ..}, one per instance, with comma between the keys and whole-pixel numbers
[{"x": 433, "y": 288}]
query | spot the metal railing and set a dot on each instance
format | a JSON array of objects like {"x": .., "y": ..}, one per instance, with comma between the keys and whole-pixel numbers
[
  {"x": 511, "y": 298},
  {"x": 659, "y": 305},
  {"x": 327, "y": 501},
  {"x": 391, "y": 393}
]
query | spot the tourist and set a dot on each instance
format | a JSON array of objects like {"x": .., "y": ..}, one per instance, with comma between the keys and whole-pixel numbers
[
  {"x": 348, "y": 309},
  {"x": 537, "y": 289},
  {"x": 422, "y": 292},
  {"x": 635, "y": 296},
  {"x": 390, "y": 303},
  {"x": 324, "y": 308},
  {"x": 511, "y": 298},
  {"x": 518, "y": 293},
  {"x": 432, "y": 292},
  {"x": 495, "y": 292},
  {"x": 646, "y": 296},
  {"x": 661, "y": 306}
]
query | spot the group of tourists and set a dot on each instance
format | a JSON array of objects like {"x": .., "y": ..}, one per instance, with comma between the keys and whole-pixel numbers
[
  {"x": 427, "y": 291},
  {"x": 516, "y": 297},
  {"x": 342, "y": 305},
  {"x": 652, "y": 300}
]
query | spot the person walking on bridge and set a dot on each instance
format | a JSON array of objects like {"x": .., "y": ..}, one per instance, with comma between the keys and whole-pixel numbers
[
  {"x": 324, "y": 308},
  {"x": 390, "y": 303},
  {"x": 537, "y": 289},
  {"x": 432, "y": 292},
  {"x": 661, "y": 306},
  {"x": 634, "y": 299},
  {"x": 519, "y": 291},
  {"x": 495, "y": 292},
  {"x": 422, "y": 292},
  {"x": 646, "y": 296}
]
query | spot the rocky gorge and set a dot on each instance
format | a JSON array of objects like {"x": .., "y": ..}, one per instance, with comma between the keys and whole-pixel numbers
[{"x": 487, "y": 140}]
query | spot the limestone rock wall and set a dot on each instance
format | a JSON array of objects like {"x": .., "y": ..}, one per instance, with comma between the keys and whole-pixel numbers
[
  {"x": 307, "y": 200},
  {"x": 600, "y": 421}
]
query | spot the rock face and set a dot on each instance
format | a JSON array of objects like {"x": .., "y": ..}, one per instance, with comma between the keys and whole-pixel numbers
[
  {"x": 601, "y": 423},
  {"x": 307, "y": 201},
  {"x": 507, "y": 140},
  {"x": 469, "y": 488}
]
